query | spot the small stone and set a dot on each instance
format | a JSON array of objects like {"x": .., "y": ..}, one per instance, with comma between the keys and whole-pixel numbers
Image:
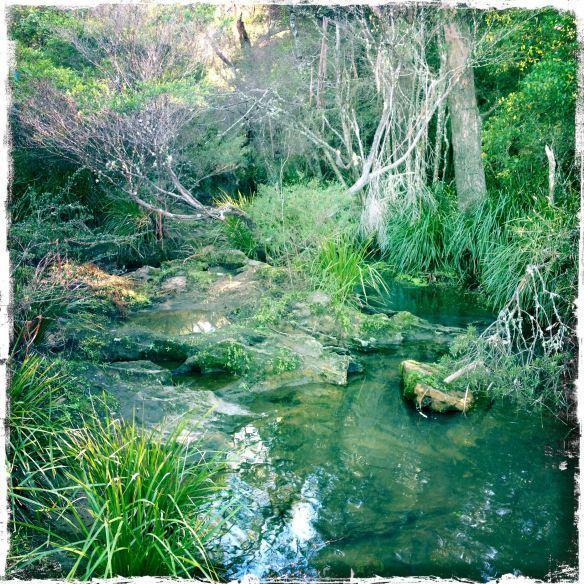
[
  {"x": 319, "y": 297},
  {"x": 141, "y": 274}
]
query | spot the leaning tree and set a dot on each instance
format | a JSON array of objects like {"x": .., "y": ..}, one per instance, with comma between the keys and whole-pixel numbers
[{"x": 372, "y": 90}]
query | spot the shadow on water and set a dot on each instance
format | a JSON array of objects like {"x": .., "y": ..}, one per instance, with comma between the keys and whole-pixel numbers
[{"x": 438, "y": 304}]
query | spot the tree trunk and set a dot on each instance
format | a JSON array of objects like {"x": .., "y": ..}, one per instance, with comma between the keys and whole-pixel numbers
[
  {"x": 465, "y": 121},
  {"x": 242, "y": 33}
]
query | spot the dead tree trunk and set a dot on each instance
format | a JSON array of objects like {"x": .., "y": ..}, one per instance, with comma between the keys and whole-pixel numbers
[
  {"x": 465, "y": 121},
  {"x": 244, "y": 41}
]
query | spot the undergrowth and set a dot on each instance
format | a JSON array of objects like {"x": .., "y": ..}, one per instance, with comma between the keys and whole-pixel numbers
[{"x": 90, "y": 492}]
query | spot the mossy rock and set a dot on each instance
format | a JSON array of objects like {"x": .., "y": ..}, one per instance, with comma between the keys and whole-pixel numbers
[
  {"x": 231, "y": 259},
  {"x": 380, "y": 331},
  {"x": 265, "y": 359},
  {"x": 422, "y": 384},
  {"x": 227, "y": 355},
  {"x": 137, "y": 343}
]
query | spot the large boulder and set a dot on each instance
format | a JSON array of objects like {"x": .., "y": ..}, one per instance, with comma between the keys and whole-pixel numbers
[{"x": 423, "y": 384}]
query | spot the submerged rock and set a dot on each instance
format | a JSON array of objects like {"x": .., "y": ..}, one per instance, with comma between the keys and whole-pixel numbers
[
  {"x": 422, "y": 384},
  {"x": 141, "y": 371},
  {"x": 144, "y": 392}
]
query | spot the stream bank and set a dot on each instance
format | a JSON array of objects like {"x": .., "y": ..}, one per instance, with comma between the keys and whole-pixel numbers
[{"x": 330, "y": 468}]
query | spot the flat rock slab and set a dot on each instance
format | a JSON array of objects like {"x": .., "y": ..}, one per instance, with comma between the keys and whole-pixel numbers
[
  {"x": 266, "y": 360},
  {"x": 145, "y": 392}
]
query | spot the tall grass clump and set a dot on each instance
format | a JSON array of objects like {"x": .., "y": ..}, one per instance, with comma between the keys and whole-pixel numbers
[
  {"x": 526, "y": 271},
  {"x": 104, "y": 498},
  {"x": 470, "y": 238},
  {"x": 546, "y": 241},
  {"x": 131, "y": 502},
  {"x": 345, "y": 267},
  {"x": 238, "y": 231},
  {"x": 41, "y": 404},
  {"x": 416, "y": 234},
  {"x": 131, "y": 236},
  {"x": 146, "y": 497}
]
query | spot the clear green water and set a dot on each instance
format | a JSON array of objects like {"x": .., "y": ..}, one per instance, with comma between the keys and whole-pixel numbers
[{"x": 340, "y": 478}]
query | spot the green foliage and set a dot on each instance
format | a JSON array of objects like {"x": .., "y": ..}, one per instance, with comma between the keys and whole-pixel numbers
[
  {"x": 43, "y": 399},
  {"x": 311, "y": 228},
  {"x": 104, "y": 487},
  {"x": 537, "y": 107},
  {"x": 300, "y": 217},
  {"x": 470, "y": 238},
  {"x": 285, "y": 360},
  {"x": 227, "y": 355},
  {"x": 416, "y": 235},
  {"x": 240, "y": 235},
  {"x": 272, "y": 310},
  {"x": 143, "y": 491},
  {"x": 39, "y": 301},
  {"x": 538, "y": 385},
  {"x": 46, "y": 222},
  {"x": 342, "y": 265},
  {"x": 489, "y": 250},
  {"x": 547, "y": 240},
  {"x": 132, "y": 235},
  {"x": 110, "y": 230}
]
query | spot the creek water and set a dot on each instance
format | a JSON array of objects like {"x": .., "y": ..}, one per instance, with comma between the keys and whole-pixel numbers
[{"x": 335, "y": 479}]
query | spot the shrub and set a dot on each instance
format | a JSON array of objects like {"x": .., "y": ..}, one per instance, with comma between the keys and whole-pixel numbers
[
  {"x": 300, "y": 217},
  {"x": 46, "y": 223},
  {"x": 535, "y": 382}
]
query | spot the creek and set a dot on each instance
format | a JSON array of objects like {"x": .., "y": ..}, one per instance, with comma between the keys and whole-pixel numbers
[{"x": 329, "y": 478}]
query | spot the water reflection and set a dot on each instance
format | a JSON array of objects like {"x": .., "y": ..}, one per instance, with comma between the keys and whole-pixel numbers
[{"x": 329, "y": 479}]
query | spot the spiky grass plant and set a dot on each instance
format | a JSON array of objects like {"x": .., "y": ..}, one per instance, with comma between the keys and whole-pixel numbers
[
  {"x": 38, "y": 410},
  {"x": 108, "y": 498},
  {"x": 145, "y": 496},
  {"x": 345, "y": 268},
  {"x": 415, "y": 236},
  {"x": 132, "y": 503},
  {"x": 548, "y": 242}
]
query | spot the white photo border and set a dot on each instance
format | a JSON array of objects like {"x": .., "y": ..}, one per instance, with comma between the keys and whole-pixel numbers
[{"x": 6, "y": 59}]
